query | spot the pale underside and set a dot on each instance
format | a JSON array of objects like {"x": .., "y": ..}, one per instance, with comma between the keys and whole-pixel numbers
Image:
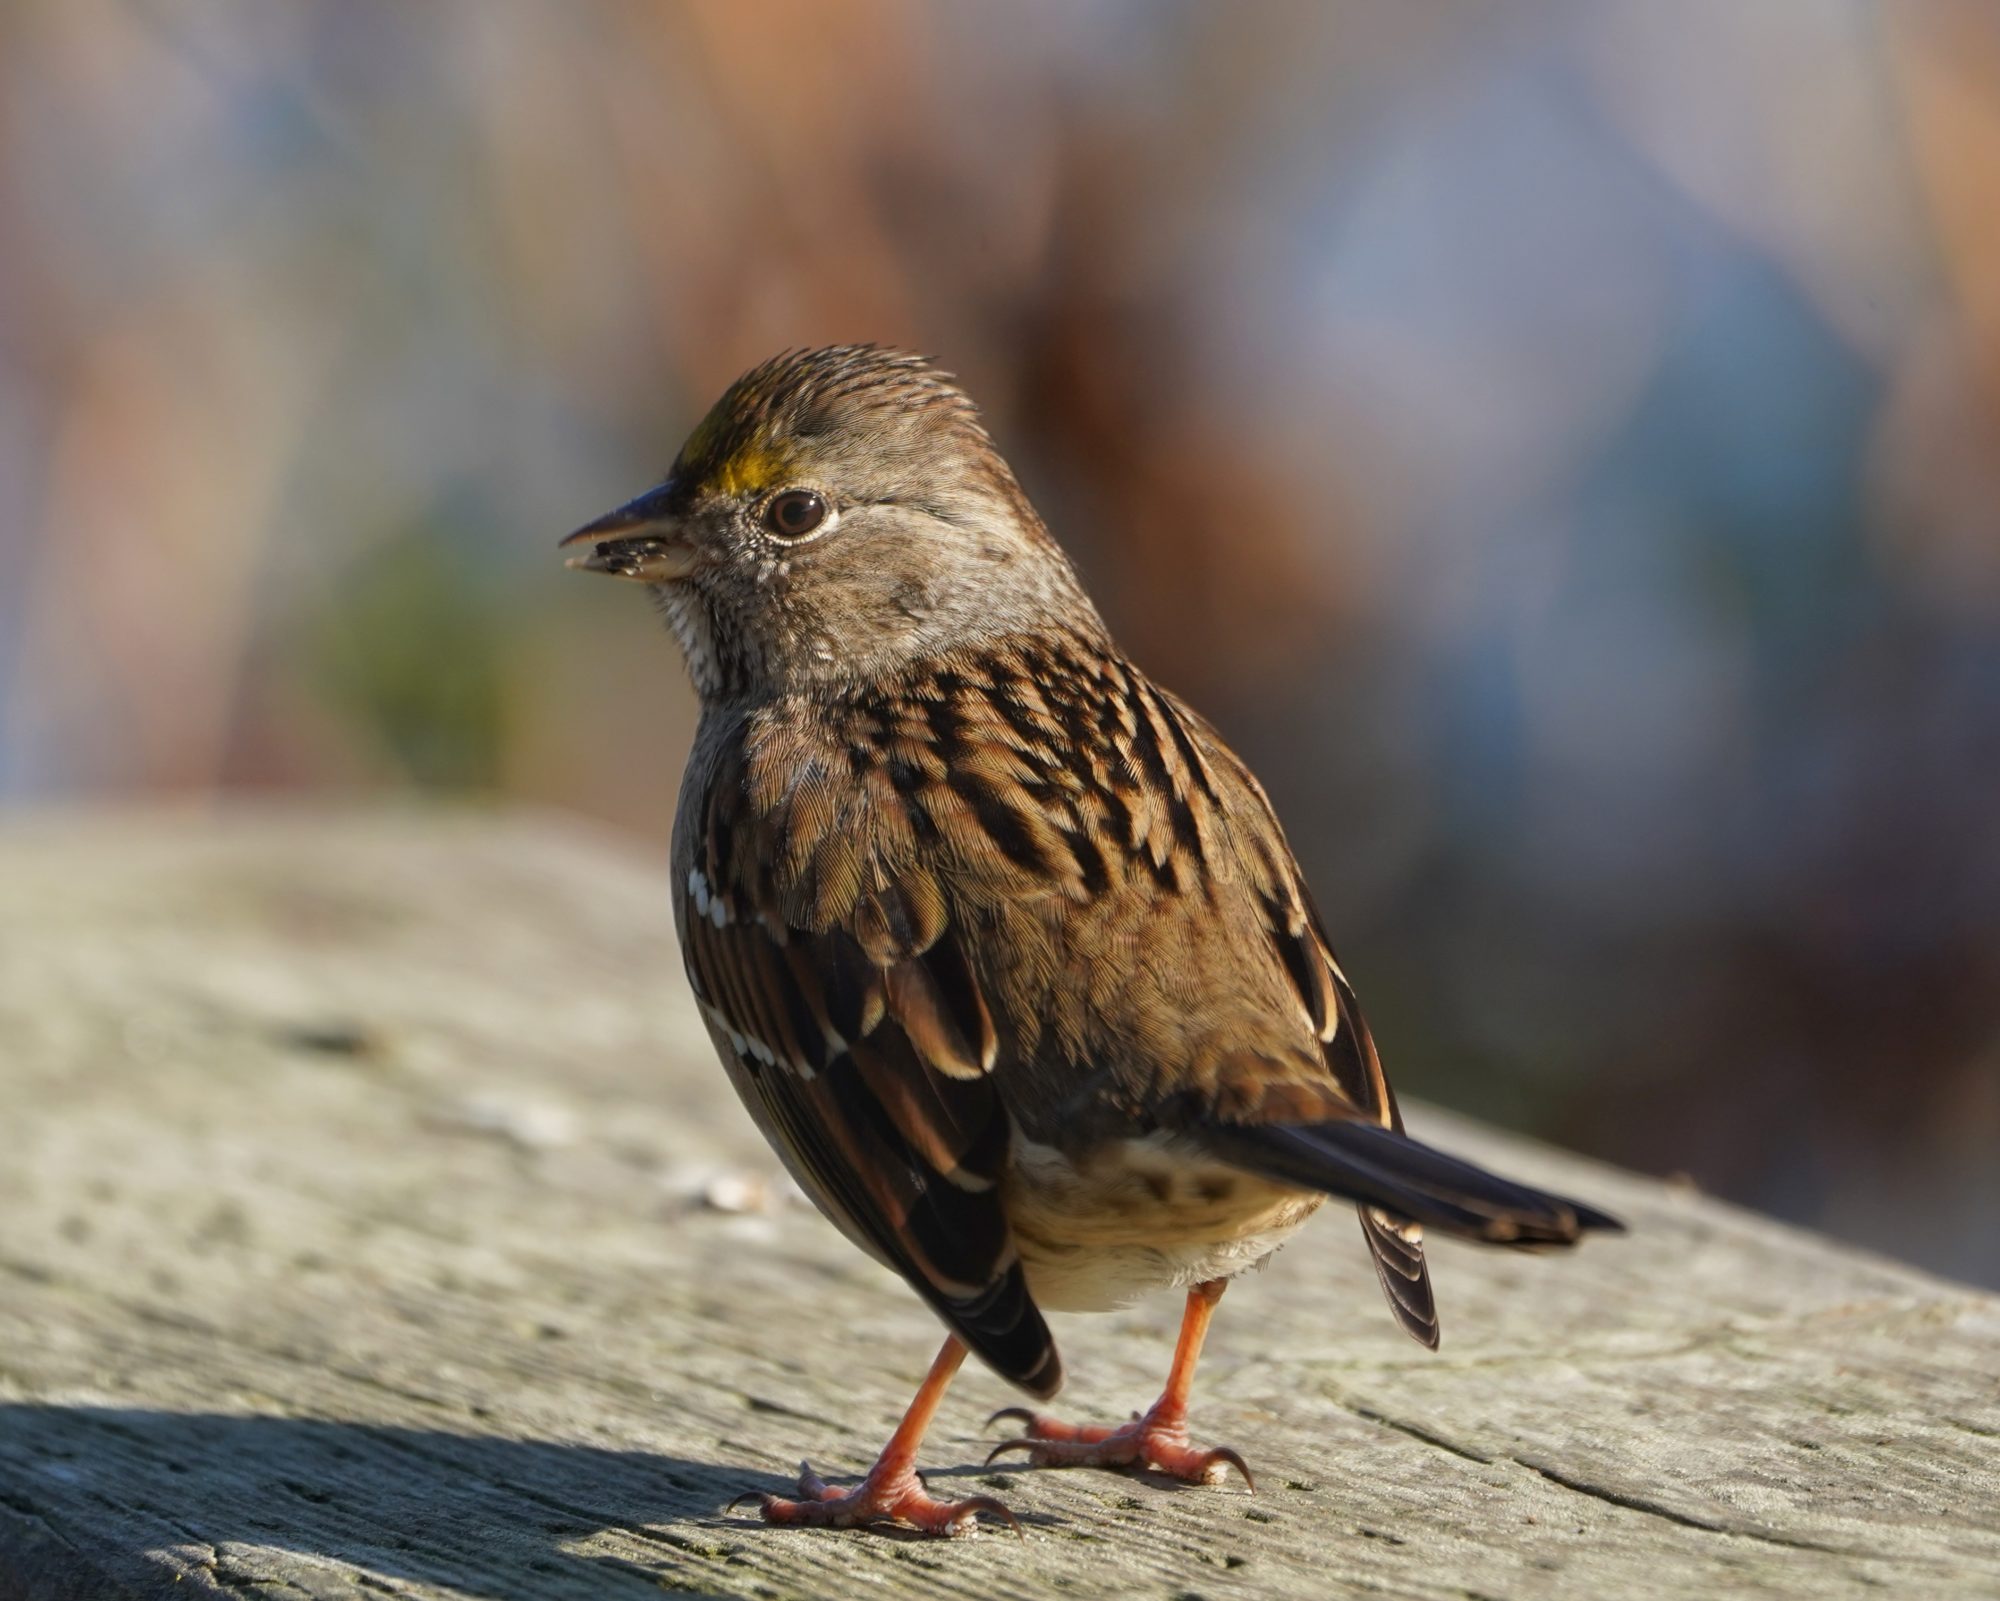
[{"x": 1140, "y": 1215}]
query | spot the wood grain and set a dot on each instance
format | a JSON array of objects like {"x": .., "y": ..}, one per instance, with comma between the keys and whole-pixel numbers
[{"x": 359, "y": 1236}]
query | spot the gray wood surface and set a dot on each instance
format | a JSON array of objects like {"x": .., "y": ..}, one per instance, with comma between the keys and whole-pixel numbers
[{"x": 373, "y": 1220}]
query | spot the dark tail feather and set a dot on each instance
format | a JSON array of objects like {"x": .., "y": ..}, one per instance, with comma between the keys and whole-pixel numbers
[
  {"x": 1397, "y": 1245},
  {"x": 1380, "y": 1168}
]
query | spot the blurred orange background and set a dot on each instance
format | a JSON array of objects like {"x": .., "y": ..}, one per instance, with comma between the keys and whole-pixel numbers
[{"x": 1559, "y": 444}]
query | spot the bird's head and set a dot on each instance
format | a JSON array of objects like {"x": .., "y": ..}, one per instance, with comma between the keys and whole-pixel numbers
[{"x": 838, "y": 515}]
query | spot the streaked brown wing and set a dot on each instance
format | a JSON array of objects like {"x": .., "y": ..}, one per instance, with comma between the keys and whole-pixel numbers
[
  {"x": 1298, "y": 937},
  {"x": 1396, "y": 1243},
  {"x": 866, "y": 1050}
]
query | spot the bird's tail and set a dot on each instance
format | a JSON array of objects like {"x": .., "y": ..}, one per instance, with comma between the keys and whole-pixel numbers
[{"x": 1384, "y": 1169}]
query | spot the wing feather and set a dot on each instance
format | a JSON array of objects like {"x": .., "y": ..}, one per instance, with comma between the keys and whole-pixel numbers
[
  {"x": 864, "y": 1049},
  {"x": 1292, "y": 922}
]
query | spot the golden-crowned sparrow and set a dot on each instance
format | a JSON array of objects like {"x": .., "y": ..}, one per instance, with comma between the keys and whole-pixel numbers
[{"x": 1001, "y": 945}]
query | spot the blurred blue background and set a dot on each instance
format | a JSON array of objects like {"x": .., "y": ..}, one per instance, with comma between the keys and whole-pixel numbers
[{"x": 1560, "y": 444}]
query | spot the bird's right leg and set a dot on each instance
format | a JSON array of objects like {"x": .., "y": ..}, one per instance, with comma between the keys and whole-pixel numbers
[{"x": 1157, "y": 1438}]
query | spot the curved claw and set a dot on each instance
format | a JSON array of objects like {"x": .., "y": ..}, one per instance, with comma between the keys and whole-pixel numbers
[
  {"x": 1018, "y": 1414},
  {"x": 761, "y": 1497},
  {"x": 977, "y": 1504},
  {"x": 1222, "y": 1453},
  {"x": 1024, "y": 1443}
]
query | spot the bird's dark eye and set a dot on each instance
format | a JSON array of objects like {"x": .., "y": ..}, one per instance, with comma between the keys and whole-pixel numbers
[{"x": 795, "y": 513}]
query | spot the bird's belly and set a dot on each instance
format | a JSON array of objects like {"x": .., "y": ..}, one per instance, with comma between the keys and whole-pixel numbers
[{"x": 1139, "y": 1215}]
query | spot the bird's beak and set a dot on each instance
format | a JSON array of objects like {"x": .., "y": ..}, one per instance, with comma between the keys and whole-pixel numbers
[{"x": 642, "y": 539}]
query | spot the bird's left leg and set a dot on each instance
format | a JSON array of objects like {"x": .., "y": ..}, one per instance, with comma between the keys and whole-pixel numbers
[
  {"x": 1156, "y": 1438},
  {"x": 891, "y": 1494}
]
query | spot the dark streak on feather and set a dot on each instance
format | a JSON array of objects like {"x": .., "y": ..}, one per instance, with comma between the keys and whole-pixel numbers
[{"x": 1003, "y": 824}]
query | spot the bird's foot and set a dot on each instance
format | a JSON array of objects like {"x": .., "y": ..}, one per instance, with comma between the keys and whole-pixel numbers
[
  {"x": 895, "y": 1500},
  {"x": 1156, "y": 1439}
]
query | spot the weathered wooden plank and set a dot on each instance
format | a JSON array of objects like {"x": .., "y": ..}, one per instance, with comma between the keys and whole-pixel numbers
[{"x": 353, "y": 1241}]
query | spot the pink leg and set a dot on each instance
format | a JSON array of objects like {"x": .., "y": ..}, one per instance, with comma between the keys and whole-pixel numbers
[
  {"x": 891, "y": 1495},
  {"x": 1157, "y": 1438}
]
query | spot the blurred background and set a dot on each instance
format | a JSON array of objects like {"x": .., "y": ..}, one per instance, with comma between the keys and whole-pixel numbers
[{"x": 1558, "y": 443}]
